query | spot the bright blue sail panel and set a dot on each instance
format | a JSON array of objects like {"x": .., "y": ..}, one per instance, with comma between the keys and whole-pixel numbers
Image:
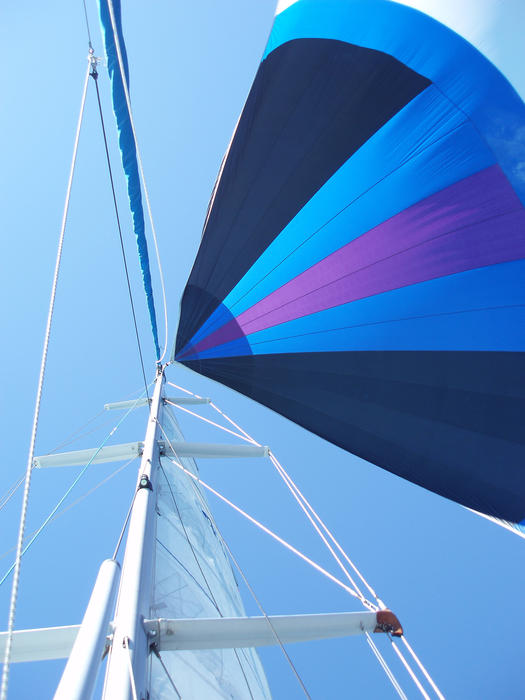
[
  {"x": 361, "y": 267},
  {"x": 127, "y": 148}
]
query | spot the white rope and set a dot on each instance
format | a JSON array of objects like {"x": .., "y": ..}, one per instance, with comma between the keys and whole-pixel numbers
[
  {"x": 142, "y": 177},
  {"x": 276, "y": 537},
  {"x": 304, "y": 504},
  {"x": 186, "y": 391},
  {"x": 311, "y": 514},
  {"x": 23, "y": 515},
  {"x": 235, "y": 425},
  {"x": 385, "y": 667},
  {"x": 295, "y": 489},
  {"x": 125, "y": 644},
  {"x": 410, "y": 671},
  {"x": 423, "y": 669},
  {"x": 206, "y": 420},
  {"x": 283, "y": 475}
]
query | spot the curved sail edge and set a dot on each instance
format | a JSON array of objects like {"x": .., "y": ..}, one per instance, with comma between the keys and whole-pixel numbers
[{"x": 361, "y": 266}]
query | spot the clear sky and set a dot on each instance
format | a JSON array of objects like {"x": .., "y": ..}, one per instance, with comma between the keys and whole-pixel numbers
[{"x": 455, "y": 580}]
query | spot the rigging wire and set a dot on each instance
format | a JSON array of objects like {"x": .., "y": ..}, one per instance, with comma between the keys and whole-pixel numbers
[
  {"x": 25, "y": 500},
  {"x": 94, "y": 75},
  {"x": 125, "y": 644},
  {"x": 318, "y": 530},
  {"x": 77, "y": 434},
  {"x": 87, "y": 24},
  {"x": 194, "y": 553},
  {"x": 385, "y": 667},
  {"x": 207, "y": 420},
  {"x": 270, "y": 624},
  {"x": 68, "y": 491},
  {"x": 369, "y": 605},
  {"x": 141, "y": 170},
  {"x": 409, "y": 669},
  {"x": 206, "y": 508},
  {"x": 128, "y": 515},
  {"x": 155, "y": 650},
  {"x": 78, "y": 500},
  {"x": 306, "y": 506},
  {"x": 11, "y": 491},
  {"x": 276, "y": 537},
  {"x": 423, "y": 669}
]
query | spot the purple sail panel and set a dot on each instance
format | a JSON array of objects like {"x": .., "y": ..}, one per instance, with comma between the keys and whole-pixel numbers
[{"x": 476, "y": 222}]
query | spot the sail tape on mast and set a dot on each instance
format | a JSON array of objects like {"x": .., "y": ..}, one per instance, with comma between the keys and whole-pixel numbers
[{"x": 128, "y": 147}]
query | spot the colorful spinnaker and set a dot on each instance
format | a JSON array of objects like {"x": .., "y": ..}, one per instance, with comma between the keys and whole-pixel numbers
[{"x": 362, "y": 267}]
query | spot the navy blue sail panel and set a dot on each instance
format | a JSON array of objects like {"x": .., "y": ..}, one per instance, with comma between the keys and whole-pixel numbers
[
  {"x": 448, "y": 421},
  {"x": 127, "y": 147},
  {"x": 311, "y": 106},
  {"x": 362, "y": 263}
]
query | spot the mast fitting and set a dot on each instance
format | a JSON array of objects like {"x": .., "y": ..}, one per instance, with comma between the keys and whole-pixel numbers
[{"x": 145, "y": 483}]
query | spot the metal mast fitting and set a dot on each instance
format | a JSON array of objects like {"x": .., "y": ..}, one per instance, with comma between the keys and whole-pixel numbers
[{"x": 127, "y": 663}]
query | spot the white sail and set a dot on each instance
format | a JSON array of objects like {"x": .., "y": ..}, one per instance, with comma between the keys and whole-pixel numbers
[{"x": 194, "y": 579}]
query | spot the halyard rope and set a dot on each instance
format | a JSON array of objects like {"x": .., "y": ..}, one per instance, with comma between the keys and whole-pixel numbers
[{"x": 23, "y": 514}]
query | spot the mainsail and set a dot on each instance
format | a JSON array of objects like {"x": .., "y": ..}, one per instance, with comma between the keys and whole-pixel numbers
[
  {"x": 194, "y": 579},
  {"x": 361, "y": 266}
]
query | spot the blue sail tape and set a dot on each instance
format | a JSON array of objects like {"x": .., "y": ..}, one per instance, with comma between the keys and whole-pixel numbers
[{"x": 128, "y": 149}]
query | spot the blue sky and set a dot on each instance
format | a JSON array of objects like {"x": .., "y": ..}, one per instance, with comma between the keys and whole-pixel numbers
[{"x": 455, "y": 580}]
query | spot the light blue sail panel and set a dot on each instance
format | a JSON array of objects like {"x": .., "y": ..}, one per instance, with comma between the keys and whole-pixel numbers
[{"x": 127, "y": 147}]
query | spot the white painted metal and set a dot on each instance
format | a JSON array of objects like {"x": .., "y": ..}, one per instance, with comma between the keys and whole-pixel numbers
[
  {"x": 129, "y": 450},
  {"x": 210, "y": 450},
  {"x": 42, "y": 644},
  {"x": 80, "y": 674},
  {"x": 179, "y": 400},
  {"x": 112, "y": 453},
  {"x": 242, "y": 632},
  {"x": 129, "y": 651},
  {"x": 124, "y": 405}
]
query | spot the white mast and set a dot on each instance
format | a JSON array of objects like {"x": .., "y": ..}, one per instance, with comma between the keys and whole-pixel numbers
[{"x": 128, "y": 656}]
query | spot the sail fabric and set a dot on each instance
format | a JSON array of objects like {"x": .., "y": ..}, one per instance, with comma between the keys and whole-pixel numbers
[
  {"x": 193, "y": 578},
  {"x": 127, "y": 147},
  {"x": 362, "y": 262}
]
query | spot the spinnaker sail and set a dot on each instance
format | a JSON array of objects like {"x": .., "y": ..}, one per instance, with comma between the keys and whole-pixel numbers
[{"x": 362, "y": 262}]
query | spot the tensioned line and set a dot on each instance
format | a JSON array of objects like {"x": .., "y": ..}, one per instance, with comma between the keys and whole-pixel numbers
[
  {"x": 318, "y": 525},
  {"x": 23, "y": 514}
]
